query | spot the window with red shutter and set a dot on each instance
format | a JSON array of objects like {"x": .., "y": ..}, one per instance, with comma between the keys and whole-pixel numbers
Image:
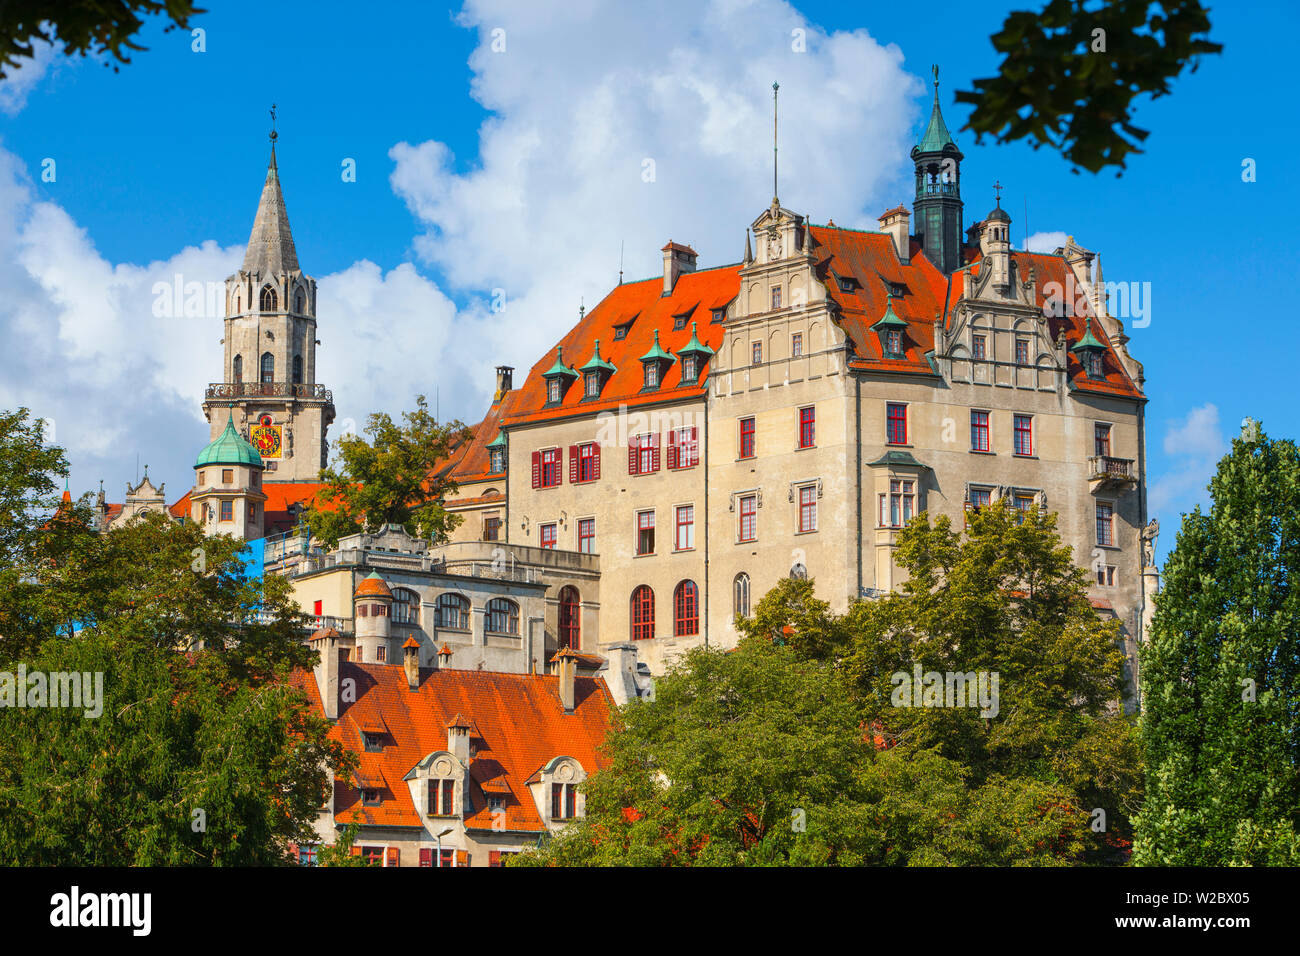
[
  {"x": 391, "y": 856},
  {"x": 494, "y": 857},
  {"x": 426, "y": 856},
  {"x": 633, "y": 454},
  {"x": 595, "y": 461},
  {"x": 537, "y": 469},
  {"x": 672, "y": 449},
  {"x": 573, "y": 464},
  {"x": 655, "y": 460}
]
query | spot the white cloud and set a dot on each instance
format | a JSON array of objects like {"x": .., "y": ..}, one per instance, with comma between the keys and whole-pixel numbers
[
  {"x": 20, "y": 81},
  {"x": 581, "y": 97},
  {"x": 590, "y": 100},
  {"x": 1045, "y": 241},
  {"x": 1194, "y": 445}
]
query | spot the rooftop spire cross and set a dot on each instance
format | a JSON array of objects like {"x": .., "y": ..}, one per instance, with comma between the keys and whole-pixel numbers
[{"x": 775, "y": 88}]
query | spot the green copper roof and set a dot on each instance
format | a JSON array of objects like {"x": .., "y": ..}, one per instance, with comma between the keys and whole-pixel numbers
[
  {"x": 229, "y": 449},
  {"x": 656, "y": 354},
  {"x": 1089, "y": 341},
  {"x": 889, "y": 320},
  {"x": 596, "y": 363},
  {"x": 695, "y": 345},
  {"x": 936, "y": 134},
  {"x": 903, "y": 458},
  {"x": 498, "y": 442},
  {"x": 559, "y": 368}
]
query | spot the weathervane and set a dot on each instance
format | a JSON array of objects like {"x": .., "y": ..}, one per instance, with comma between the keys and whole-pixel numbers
[
  {"x": 273, "y": 136},
  {"x": 997, "y": 191},
  {"x": 935, "y": 69}
]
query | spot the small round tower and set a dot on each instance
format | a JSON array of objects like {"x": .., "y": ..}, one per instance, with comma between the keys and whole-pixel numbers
[{"x": 372, "y": 605}]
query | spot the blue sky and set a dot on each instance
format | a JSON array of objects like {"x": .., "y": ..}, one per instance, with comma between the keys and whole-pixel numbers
[{"x": 520, "y": 169}]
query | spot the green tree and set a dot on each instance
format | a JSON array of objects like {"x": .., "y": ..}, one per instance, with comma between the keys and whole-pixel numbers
[
  {"x": 398, "y": 477},
  {"x": 200, "y": 750},
  {"x": 757, "y": 757},
  {"x": 1070, "y": 72},
  {"x": 1221, "y": 673},
  {"x": 83, "y": 26}
]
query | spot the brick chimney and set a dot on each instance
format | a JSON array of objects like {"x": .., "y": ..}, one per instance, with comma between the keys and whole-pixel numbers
[
  {"x": 504, "y": 375},
  {"x": 678, "y": 259},
  {"x": 411, "y": 662},
  {"x": 565, "y": 664},
  {"x": 458, "y": 738},
  {"x": 326, "y": 644},
  {"x": 896, "y": 223}
]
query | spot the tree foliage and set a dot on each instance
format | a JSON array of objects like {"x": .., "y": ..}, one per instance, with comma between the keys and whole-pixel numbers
[
  {"x": 789, "y": 748},
  {"x": 1070, "y": 72},
  {"x": 83, "y": 26},
  {"x": 200, "y": 751},
  {"x": 391, "y": 479},
  {"x": 1221, "y": 673}
]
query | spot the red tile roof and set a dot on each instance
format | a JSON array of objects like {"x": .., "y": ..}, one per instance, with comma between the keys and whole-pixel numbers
[
  {"x": 473, "y": 461},
  {"x": 518, "y": 727},
  {"x": 642, "y": 304}
]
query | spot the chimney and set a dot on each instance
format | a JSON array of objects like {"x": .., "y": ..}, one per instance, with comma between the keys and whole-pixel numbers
[
  {"x": 411, "y": 663},
  {"x": 566, "y": 666},
  {"x": 444, "y": 657},
  {"x": 504, "y": 373},
  {"x": 678, "y": 259},
  {"x": 326, "y": 643},
  {"x": 458, "y": 738},
  {"x": 620, "y": 678},
  {"x": 896, "y": 223}
]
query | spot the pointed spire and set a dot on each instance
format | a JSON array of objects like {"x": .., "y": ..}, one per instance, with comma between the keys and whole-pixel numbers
[
  {"x": 936, "y": 134},
  {"x": 749, "y": 251},
  {"x": 270, "y": 245}
]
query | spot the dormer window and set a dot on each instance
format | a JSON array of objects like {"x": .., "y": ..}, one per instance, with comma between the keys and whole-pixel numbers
[
  {"x": 890, "y": 328},
  {"x": 1093, "y": 365},
  {"x": 689, "y": 370},
  {"x": 679, "y": 321},
  {"x": 1089, "y": 350},
  {"x": 497, "y": 460},
  {"x": 719, "y": 315},
  {"x": 620, "y": 331},
  {"x": 558, "y": 378},
  {"x": 371, "y": 798},
  {"x": 693, "y": 355},
  {"x": 442, "y": 798},
  {"x": 845, "y": 283},
  {"x": 655, "y": 364},
  {"x": 595, "y": 374},
  {"x": 372, "y": 743}
]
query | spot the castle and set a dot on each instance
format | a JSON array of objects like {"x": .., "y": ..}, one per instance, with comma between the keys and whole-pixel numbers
[{"x": 692, "y": 440}]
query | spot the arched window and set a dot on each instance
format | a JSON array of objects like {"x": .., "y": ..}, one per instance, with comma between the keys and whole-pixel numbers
[
  {"x": 268, "y": 299},
  {"x": 268, "y": 367},
  {"x": 406, "y": 606},
  {"x": 237, "y": 369},
  {"x": 570, "y": 618},
  {"x": 643, "y": 613},
  {"x": 740, "y": 592},
  {"x": 452, "y": 611},
  {"x": 686, "y": 609},
  {"x": 297, "y": 370},
  {"x": 502, "y": 616},
  {"x": 298, "y": 302}
]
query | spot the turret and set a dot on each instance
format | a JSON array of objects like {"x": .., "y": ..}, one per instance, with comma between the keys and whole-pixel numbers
[
  {"x": 228, "y": 496},
  {"x": 938, "y": 204},
  {"x": 372, "y": 604}
]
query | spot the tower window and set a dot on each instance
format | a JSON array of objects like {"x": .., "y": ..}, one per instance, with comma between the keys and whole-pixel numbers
[
  {"x": 269, "y": 300},
  {"x": 299, "y": 302},
  {"x": 237, "y": 370},
  {"x": 268, "y": 368},
  {"x": 297, "y": 370}
]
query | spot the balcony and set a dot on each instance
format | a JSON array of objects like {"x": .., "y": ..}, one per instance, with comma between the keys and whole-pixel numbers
[
  {"x": 296, "y": 390},
  {"x": 1107, "y": 472}
]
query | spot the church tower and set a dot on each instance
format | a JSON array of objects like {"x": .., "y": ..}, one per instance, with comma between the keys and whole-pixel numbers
[
  {"x": 269, "y": 389},
  {"x": 938, "y": 203}
]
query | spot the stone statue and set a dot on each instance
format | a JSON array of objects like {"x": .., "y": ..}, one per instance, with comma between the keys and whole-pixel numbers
[{"x": 1149, "y": 535}]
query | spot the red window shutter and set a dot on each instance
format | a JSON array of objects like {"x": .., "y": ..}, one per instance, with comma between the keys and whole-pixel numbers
[
  {"x": 356, "y": 851},
  {"x": 672, "y": 449},
  {"x": 426, "y": 856},
  {"x": 494, "y": 857},
  {"x": 633, "y": 446},
  {"x": 595, "y": 461},
  {"x": 537, "y": 469},
  {"x": 694, "y": 446},
  {"x": 573, "y": 464},
  {"x": 462, "y": 858},
  {"x": 392, "y": 856},
  {"x": 654, "y": 457}
]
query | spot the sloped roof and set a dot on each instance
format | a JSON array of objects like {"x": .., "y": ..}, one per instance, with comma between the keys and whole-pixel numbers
[
  {"x": 642, "y": 304},
  {"x": 472, "y": 461},
  {"x": 270, "y": 245},
  {"x": 519, "y": 726}
]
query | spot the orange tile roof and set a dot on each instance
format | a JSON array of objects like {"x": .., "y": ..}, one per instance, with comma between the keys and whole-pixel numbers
[
  {"x": 644, "y": 305},
  {"x": 473, "y": 461},
  {"x": 373, "y": 586},
  {"x": 518, "y": 726}
]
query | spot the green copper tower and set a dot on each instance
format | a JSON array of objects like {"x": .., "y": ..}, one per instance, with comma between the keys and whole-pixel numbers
[{"x": 938, "y": 204}]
